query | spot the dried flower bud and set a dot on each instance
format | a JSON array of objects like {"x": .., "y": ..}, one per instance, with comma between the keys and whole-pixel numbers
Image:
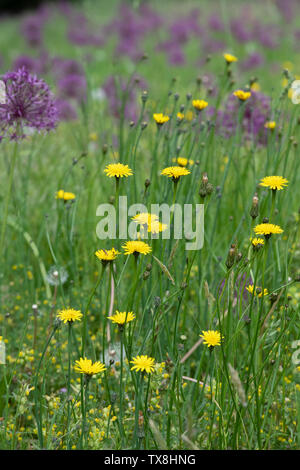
[
  {"x": 254, "y": 208},
  {"x": 144, "y": 96},
  {"x": 206, "y": 188},
  {"x": 231, "y": 257}
]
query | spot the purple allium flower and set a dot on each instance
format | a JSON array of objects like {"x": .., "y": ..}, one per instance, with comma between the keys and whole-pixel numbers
[
  {"x": 286, "y": 8},
  {"x": 253, "y": 60},
  {"x": 63, "y": 67},
  {"x": 112, "y": 93},
  {"x": 72, "y": 86},
  {"x": 32, "y": 26},
  {"x": 215, "y": 23},
  {"x": 240, "y": 30},
  {"x": 256, "y": 113},
  {"x": 29, "y": 63},
  {"x": 28, "y": 101},
  {"x": 150, "y": 19},
  {"x": 65, "y": 110}
]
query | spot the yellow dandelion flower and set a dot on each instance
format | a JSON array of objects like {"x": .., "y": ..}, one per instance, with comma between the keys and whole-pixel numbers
[
  {"x": 69, "y": 315},
  {"x": 180, "y": 116},
  {"x": 85, "y": 366},
  {"x": 107, "y": 255},
  {"x": 136, "y": 247},
  {"x": 257, "y": 242},
  {"x": 189, "y": 115},
  {"x": 122, "y": 317},
  {"x": 145, "y": 218},
  {"x": 211, "y": 338},
  {"x": 274, "y": 182},
  {"x": 156, "y": 227},
  {"x": 267, "y": 229},
  {"x": 61, "y": 194},
  {"x": 150, "y": 222},
  {"x": 230, "y": 58},
  {"x": 175, "y": 172},
  {"x": 118, "y": 170},
  {"x": 143, "y": 364},
  {"x": 270, "y": 125},
  {"x": 199, "y": 104},
  {"x": 257, "y": 291},
  {"x": 242, "y": 95},
  {"x": 181, "y": 161},
  {"x": 160, "y": 118},
  {"x": 255, "y": 86}
]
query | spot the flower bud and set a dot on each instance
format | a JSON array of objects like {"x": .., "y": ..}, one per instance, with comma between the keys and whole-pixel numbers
[
  {"x": 254, "y": 208},
  {"x": 231, "y": 256}
]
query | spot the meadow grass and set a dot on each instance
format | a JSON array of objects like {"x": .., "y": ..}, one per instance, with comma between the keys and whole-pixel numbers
[{"x": 241, "y": 393}]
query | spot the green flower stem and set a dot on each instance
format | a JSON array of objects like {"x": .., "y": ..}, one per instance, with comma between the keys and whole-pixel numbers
[
  {"x": 7, "y": 197},
  {"x": 69, "y": 383},
  {"x": 84, "y": 323}
]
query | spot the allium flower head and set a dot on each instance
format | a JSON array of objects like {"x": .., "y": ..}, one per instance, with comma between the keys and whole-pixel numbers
[
  {"x": 274, "y": 182},
  {"x": 107, "y": 255},
  {"x": 69, "y": 315},
  {"x": 118, "y": 170},
  {"x": 211, "y": 338},
  {"x": 85, "y": 366},
  {"x": 143, "y": 364},
  {"x": 229, "y": 58},
  {"x": 28, "y": 102},
  {"x": 242, "y": 95},
  {"x": 267, "y": 229},
  {"x": 66, "y": 196},
  {"x": 160, "y": 118},
  {"x": 199, "y": 104},
  {"x": 175, "y": 172},
  {"x": 122, "y": 317},
  {"x": 136, "y": 247}
]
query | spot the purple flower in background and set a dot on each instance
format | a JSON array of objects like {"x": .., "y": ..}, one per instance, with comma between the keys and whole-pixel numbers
[
  {"x": 174, "y": 52},
  {"x": 62, "y": 67},
  {"x": 211, "y": 45},
  {"x": 253, "y": 60},
  {"x": 29, "y": 63},
  {"x": 65, "y": 110},
  {"x": 150, "y": 19},
  {"x": 27, "y": 101},
  {"x": 183, "y": 28},
  {"x": 240, "y": 286},
  {"x": 215, "y": 23},
  {"x": 32, "y": 30},
  {"x": 256, "y": 113},
  {"x": 286, "y": 8},
  {"x": 32, "y": 26},
  {"x": 72, "y": 86},
  {"x": 267, "y": 34},
  {"x": 115, "y": 91},
  {"x": 240, "y": 30}
]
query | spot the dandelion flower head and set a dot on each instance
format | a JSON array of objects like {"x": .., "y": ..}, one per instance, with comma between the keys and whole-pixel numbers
[
  {"x": 118, "y": 170},
  {"x": 274, "y": 182},
  {"x": 69, "y": 315},
  {"x": 143, "y": 364}
]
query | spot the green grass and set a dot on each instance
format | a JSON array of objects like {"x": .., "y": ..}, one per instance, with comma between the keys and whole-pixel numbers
[{"x": 243, "y": 394}]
